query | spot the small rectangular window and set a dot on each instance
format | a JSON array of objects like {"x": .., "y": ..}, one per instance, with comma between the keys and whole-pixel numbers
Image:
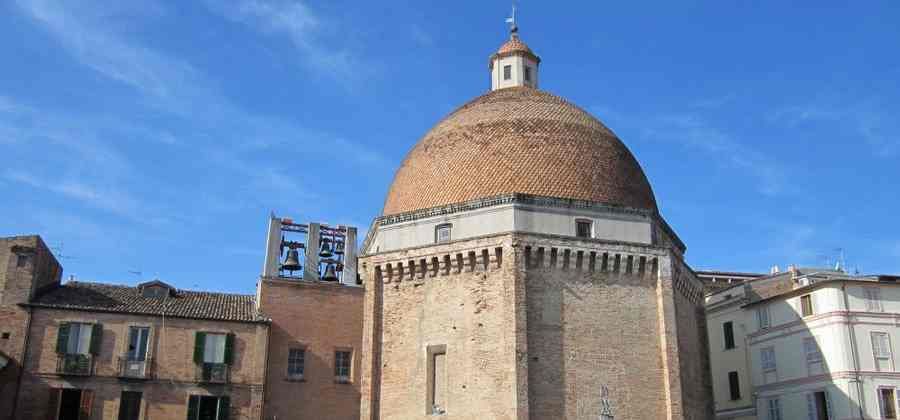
[
  {"x": 21, "y": 260},
  {"x": 583, "y": 228},
  {"x": 728, "y": 332},
  {"x": 507, "y": 72},
  {"x": 881, "y": 349},
  {"x": 527, "y": 74},
  {"x": 79, "y": 341},
  {"x": 774, "y": 409},
  {"x": 442, "y": 233},
  {"x": 342, "y": 364},
  {"x": 873, "y": 299},
  {"x": 767, "y": 357},
  {"x": 734, "y": 386},
  {"x": 138, "y": 338},
  {"x": 886, "y": 398},
  {"x": 762, "y": 314},
  {"x": 806, "y": 307},
  {"x": 814, "y": 363},
  {"x": 296, "y": 361},
  {"x": 214, "y": 348},
  {"x": 436, "y": 381}
]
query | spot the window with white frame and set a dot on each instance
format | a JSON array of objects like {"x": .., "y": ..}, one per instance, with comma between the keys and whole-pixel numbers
[
  {"x": 769, "y": 367},
  {"x": 762, "y": 315},
  {"x": 77, "y": 338},
  {"x": 296, "y": 363},
  {"x": 873, "y": 299},
  {"x": 583, "y": 228},
  {"x": 767, "y": 357},
  {"x": 342, "y": 363},
  {"x": 814, "y": 362},
  {"x": 774, "y": 409},
  {"x": 442, "y": 233},
  {"x": 214, "y": 348},
  {"x": 507, "y": 72},
  {"x": 887, "y": 402},
  {"x": 881, "y": 350},
  {"x": 806, "y": 305}
]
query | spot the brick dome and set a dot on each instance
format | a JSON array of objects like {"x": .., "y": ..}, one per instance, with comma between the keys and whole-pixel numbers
[{"x": 518, "y": 140}]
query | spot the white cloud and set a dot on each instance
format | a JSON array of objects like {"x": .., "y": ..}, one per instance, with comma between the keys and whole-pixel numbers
[
  {"x": 83, "y": 29},
  {"x": 874, "y": 125},
  {"x": 305, "y": 30},
  {"x": 92, "y": 195},
  {"x": 723, "y": 148}
]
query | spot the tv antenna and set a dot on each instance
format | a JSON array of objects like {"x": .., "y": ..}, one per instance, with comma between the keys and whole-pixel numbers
[{"x": 58, "y": 251}]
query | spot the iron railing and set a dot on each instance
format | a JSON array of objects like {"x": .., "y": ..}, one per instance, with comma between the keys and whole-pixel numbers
[
  {"x": 75, "y": 364},
  {"x": 134, "y": 369},
  {"x": 214, "y": 373}
]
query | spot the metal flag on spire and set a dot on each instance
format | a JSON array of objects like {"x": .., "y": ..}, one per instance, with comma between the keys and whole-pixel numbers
[{"x": 513, "y": 26}]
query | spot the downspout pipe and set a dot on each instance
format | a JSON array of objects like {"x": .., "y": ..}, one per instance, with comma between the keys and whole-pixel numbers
[{"x": 853, "y": 351}]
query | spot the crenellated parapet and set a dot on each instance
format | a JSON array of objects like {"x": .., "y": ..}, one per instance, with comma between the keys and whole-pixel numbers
[{"x": 444, "y": 264}]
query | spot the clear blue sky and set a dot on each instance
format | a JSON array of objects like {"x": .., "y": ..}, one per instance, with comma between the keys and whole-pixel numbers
[{"x": 157, "y": 136}]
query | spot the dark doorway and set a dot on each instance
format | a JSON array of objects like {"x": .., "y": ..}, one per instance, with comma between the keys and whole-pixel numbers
[
  {"x": 130, "y": 405},
  {"x": 822, "y": 406},
  {"x": 70, "y": 404}
]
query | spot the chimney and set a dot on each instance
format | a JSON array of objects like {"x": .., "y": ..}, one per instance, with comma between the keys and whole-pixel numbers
[{"x": 775, "y": 270}]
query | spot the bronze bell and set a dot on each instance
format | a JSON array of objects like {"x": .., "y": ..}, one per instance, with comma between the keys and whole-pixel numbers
[
  {"x": 325, "y": 249},
  {"x": 339, "y": 247},
  {"x": 292, "y": 261},
  {"x": 330, "y": 274}
]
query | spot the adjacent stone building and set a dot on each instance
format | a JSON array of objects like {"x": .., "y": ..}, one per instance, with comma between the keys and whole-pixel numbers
[
  {"x": 521, "y": 270},
  {"x": 316, "y": 335},
  {"x": 106, "y": 351},
  {"x": 27, "y": 268}
]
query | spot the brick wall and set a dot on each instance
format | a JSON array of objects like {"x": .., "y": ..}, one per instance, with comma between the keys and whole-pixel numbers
[
  {"x": 469, "y": 308},
  {"x": 535, "y": 331},
  {"x": 173, "y": 370},
  {"x": 17, "y": 284},
  {"x": 320, "y": 317}
]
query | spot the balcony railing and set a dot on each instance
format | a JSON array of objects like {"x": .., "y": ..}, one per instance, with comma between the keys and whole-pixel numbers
[
  {"x": 214, "y": 373},
  {"x": 134, "y": 369},
  {"x": 75, "y": 364}
]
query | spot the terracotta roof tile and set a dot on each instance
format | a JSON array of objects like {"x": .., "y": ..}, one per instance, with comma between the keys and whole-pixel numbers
[
  {"x": 126, "y": 299},
  {"x": 518, "y": 140}
]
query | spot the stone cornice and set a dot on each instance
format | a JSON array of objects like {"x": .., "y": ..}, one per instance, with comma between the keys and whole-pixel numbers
[{"x": 520, "y": 199}]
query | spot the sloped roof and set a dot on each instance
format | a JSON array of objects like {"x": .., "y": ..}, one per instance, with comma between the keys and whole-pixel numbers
[
  {"x": 518, "y": 140},
  {"x": 129, "y": 300}
]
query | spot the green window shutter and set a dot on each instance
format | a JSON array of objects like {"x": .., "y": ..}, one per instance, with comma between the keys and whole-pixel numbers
[
  {"x": 96, "y": 339},
  {"x": 62, "y": 338},
  {"x": 199, "y": 343},
  {"x": 193, "y": 407},
  {"x": 224, "y": 408},
  {"x": 229, "y": 349}
]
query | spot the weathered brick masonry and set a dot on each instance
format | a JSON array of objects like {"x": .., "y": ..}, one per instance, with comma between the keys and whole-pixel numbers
[
  {"x": 534, "y": 327},
  {"x": 319, "y": 317},
  {"x": 173, "y": 374},
  {"x": 27, "y": 267}
]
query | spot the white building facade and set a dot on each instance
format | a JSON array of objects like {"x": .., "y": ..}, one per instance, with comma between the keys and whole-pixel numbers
[{"x": 815, "y": 345}]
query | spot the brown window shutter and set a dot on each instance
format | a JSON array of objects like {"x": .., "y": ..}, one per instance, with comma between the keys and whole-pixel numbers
[
  {"x": 87, "y": 402},
  {"x": 53, "y": 405}
]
